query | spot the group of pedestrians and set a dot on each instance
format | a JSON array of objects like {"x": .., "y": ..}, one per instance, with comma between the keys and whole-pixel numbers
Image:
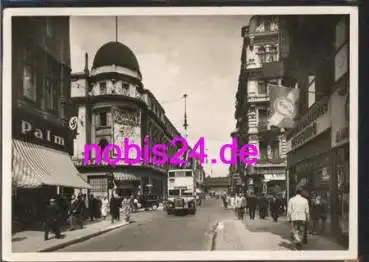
[
  {"x": 242, "y": 203},
  {"x": 74, "y": 213}
]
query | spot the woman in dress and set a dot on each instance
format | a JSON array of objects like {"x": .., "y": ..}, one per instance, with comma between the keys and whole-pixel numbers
[{"x": 104, "y": 207}]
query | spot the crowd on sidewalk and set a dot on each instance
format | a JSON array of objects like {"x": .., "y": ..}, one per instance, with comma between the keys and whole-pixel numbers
[
  {"x": 71, "y": 215},
  {"x": 277, "y": 207}
]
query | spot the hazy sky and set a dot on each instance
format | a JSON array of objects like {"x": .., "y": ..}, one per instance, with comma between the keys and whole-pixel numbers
[{"x": 196, "y": 55}]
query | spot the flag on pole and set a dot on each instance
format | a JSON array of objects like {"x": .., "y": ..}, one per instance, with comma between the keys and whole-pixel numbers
[{"x": 283, "y": 106}]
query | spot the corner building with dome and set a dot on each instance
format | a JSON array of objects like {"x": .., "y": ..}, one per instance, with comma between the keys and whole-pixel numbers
[{"x": 111, "y": 104}]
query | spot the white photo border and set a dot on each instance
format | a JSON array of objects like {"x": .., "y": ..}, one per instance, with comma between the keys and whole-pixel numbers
[{"x": 351, "y": 253}]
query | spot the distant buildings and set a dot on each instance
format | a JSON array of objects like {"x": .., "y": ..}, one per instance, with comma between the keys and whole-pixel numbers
[
  {"x": 217, "y": 185},
  {"x": 41, "y": 140},
  {"x": 112, "y": 105}
]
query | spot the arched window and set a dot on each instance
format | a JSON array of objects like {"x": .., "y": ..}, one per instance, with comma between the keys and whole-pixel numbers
[{"x": 103, "y": 143}]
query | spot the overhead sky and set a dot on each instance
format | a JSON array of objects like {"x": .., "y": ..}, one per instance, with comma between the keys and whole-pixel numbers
[{"x": 196, "y": 55}]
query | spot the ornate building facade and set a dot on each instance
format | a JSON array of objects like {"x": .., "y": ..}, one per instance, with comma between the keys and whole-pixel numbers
[
  {"x": 265, "y": 46},
  {"x": 113, "y": 104}
]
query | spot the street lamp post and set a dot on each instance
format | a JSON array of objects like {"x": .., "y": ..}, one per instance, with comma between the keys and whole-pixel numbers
[{"x": 185, "y": 124}]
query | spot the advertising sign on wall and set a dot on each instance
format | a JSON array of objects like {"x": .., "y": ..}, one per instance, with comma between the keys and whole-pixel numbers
[
  {"x": 340, "y": 107},
  {"x": 127, "y": 124},
  {"x": 311, "y": 131}
]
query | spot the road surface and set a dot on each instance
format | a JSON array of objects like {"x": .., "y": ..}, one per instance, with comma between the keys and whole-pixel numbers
[{"x": 157, "y": 231}]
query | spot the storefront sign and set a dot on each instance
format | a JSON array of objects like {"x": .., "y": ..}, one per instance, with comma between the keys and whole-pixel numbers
[
  {"x": 269, "y": 177},
  {"x": 340, "y": 108},
  {"x": 310, "y": 131},
  {"x": 33, "y": 129}
]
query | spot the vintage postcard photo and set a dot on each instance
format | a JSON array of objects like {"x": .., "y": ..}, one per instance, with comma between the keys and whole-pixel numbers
[{"x": 180, "y": 133}]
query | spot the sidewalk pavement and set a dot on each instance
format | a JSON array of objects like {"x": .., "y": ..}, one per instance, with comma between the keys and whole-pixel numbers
[
  {"x": 33, "y": 241},
  {"x": 233, "y": 234}
]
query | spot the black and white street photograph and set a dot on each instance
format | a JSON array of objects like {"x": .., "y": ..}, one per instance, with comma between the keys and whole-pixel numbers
[{"x": 180, "y": 133}]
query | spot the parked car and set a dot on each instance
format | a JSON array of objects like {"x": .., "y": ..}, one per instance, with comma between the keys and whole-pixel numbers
[{"x": 149, "y": 202}]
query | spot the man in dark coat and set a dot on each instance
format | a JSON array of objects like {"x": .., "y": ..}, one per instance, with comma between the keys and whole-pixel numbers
[
  {"x": 114, "y": 208},
  {"x": 52, "y": 221},
  {"x": 91, "y": 207},
  {"x": 275, "y": 207},
  {"x": 251, "y": 204},
  {"x": 263, "y": 207}
]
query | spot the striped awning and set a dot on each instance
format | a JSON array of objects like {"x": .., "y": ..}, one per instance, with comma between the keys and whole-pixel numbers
[
  {"x": 35, "y": 165},
  {"x": 122, "y": 176}
]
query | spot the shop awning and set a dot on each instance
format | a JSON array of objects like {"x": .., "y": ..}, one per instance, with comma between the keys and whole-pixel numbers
[
  {"x": 35, "y": 165},
  {"x": 122, "y": 176}
]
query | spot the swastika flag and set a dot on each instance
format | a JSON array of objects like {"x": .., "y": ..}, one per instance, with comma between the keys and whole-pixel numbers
[{"x": 283, "y": 106}]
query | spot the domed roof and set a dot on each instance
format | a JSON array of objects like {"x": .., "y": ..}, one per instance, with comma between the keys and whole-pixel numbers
[{"x": 115, "y": 53}]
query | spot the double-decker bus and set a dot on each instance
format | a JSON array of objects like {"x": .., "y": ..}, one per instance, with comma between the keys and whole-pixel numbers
[{"x": 181, "y": 191}]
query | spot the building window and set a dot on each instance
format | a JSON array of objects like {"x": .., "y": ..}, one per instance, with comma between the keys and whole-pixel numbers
[
  {"x": 126, "y": 88},
  {"x": 262, "y": 54},
  {"x": 50, "y": 86},
  {"x": 311, "y": 91},
  {"x": 260, "y": 27},
  {"x": 272, "y": 54},
  {"x": 103, "y": 119},
  {"x": 263, "y": 117},
  {"x": 103, "y": 88},
  {"x": 102, "y": 144},
  {"x": 275, "y": 150},
  {"x": 262, "y": 88},
  {"x": 29, "y": 83},
  {"x": 266, "y": 26},
  {"x": 99, "y": 186},
  {"x": 274, "y": 25},
  {"x": 263, "y": 151}
]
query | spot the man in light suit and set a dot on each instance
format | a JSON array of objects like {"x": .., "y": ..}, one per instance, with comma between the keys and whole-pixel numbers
[{"x": 298, "y": 213}]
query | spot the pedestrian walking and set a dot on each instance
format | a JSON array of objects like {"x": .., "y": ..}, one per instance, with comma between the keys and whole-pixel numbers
[
  {"x": 73, "y": 212},
  {"x": 228, "y": 200},
  {"x": 238, "y": 208},
  {"x": 52, "y": 221},
  {"x": 251, "y": 204},
  {"x": 224, "y": 199},
  {"x": 318, "y": 214},
  {"x": 91, "y": 207},
  {"x": 275, "y": 208},
  {"x": 298, "y": 215},
  {"x": 263, "y": 206},
  {"x": 233, "y": 201},
  {"x": 114, "y": 208},
  {"x": 81, "y": 210},
  {"x": 104, "y": 207}
]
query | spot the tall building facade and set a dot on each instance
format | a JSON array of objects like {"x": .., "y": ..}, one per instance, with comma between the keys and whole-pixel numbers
[
  {"x": 265, "y": 48},
  {"x": 318, "y": 146},
  {"x": 112, "y": 105},
  {"x": 42, "y": 143}
]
